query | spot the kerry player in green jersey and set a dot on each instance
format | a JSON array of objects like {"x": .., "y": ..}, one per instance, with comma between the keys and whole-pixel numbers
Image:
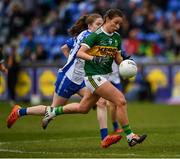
[{"x": 99, "y": 50}]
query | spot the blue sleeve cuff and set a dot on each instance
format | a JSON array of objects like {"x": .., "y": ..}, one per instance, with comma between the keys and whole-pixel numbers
[{"x": 125, "y": 56}]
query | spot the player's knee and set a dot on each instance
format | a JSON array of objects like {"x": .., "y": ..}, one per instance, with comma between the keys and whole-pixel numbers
[
  {"x": 122, "y": 102},
  {"x": 101, "y": 103}
]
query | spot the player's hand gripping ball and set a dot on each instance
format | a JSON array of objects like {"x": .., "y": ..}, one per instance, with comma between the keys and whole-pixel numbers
[{"x": 127, "y": 69}]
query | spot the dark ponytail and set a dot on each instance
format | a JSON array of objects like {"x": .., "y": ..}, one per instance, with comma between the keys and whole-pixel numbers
[
  {"x": 79, "y": 26},
  {"x": 82, "y": 23}
]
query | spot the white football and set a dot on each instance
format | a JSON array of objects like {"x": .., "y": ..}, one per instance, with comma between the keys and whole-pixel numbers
[{"x": 127, "y": 69}]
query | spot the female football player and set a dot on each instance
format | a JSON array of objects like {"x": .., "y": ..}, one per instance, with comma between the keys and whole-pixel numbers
[
  {"x": 99, "y": 50},
  {"x": 101, "y": 104}
]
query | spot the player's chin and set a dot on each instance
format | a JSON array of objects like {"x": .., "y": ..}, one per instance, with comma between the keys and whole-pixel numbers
[{"x": 116, "y": 29}]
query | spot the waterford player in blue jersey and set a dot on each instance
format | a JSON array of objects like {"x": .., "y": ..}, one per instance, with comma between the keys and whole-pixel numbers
[{"x": 70, "y": 79}]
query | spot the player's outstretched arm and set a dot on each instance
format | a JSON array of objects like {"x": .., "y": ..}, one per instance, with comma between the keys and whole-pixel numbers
[{"x": 118, "y": 59}]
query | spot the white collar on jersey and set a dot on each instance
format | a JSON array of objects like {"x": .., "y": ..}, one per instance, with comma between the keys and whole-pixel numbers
[
  {"x": 89, "y": 30},
  {"x": 106, "y": 32}
]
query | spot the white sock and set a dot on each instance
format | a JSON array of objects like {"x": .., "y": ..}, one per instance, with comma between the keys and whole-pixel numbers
[{"x": 129, "y": 137}]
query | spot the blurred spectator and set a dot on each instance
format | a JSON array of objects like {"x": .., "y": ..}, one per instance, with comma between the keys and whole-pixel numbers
[
  {"x": 131, "y": 44},
  {"x": 17, "y": 18},
  {"x": 4, "y": 7},
  {"x": 13, "y": 61},
  {"x": 102, "y": 6},
  {"x": 176, "y": 39},
  {"x": 40, "y": 53},
  {"x": 53, "y": 21},
  {"x": 27, "y": 55},
  {"x": 30, "y": 42}
]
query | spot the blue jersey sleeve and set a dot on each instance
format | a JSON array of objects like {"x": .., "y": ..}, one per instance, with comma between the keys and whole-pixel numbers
[{"x": 70, "y": 43}]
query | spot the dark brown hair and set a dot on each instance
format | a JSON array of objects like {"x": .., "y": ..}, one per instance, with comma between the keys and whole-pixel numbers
[
  {"x": 111, "y": 13},
  {"x": 82, "y": 23}
]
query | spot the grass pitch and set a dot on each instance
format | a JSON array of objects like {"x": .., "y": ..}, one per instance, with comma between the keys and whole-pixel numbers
[{"x": 78, "y": 135}]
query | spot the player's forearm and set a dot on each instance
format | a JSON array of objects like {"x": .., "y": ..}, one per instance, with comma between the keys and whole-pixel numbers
[
  {"x": 83, "y": 55},
  {"x": 118, "y": 59},
  {"x": 65, "y": 50}
]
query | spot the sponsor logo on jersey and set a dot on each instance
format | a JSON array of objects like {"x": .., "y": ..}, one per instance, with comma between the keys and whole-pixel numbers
[{"x": 102, "y": 51}]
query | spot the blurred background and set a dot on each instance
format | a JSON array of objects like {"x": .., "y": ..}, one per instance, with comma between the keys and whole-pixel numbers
[{"x": 32, "y": 32}]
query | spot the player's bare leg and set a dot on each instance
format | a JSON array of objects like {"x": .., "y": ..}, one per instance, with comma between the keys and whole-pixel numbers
[
  {"x": 118, "y": 99},
  {"x": 112, "y": 111},
  {"x": 40, "y": 110},
  {"x": 106, "y": 140}
]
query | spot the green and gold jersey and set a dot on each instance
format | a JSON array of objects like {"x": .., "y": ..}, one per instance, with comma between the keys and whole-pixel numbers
[{"x": 101, "y": 44}]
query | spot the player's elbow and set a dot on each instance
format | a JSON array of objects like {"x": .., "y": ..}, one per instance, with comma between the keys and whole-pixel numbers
[
  {"x": 79, "y": 54},
  {"x": 118, "y": 60}
]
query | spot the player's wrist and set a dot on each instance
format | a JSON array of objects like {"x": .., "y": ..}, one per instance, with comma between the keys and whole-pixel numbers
[{"x": 95, "y": 59}]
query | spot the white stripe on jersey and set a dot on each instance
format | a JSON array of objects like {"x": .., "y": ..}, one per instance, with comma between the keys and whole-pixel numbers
[
  {"x": 74, "y": 68},
  {"x": 59, "y": 87}
]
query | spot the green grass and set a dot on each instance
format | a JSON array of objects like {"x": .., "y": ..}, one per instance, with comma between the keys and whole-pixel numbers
[{"x": 78, "y": 135}]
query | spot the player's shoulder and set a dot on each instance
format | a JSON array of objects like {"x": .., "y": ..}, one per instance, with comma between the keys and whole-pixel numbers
[
  {"x": 83, "y": 34},
  {"x": 71, "y": 40}
]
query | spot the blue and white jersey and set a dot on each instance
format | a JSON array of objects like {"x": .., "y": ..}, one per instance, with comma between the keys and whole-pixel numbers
[{"x": 74, "y": 68}]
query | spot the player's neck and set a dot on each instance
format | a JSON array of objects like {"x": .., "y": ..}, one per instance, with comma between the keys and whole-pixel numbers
[{"x": 106, "y": 30}]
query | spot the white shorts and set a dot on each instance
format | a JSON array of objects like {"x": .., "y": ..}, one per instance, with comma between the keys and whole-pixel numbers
[
  {"x": 93, "y": 82},
  {"x": 114, "y": 78}
]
